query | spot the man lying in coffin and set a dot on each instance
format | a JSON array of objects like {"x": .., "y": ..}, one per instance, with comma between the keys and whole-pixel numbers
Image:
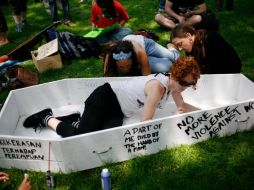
[{"x": 110, "y": 103}]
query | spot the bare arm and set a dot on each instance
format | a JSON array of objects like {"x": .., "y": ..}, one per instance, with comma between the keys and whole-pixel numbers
[
  {"x": 154, "y": 90},
  {"x": 142, "y": 59},
  {"x": 170, "y": 12},
  {"x": 181, "y": 105},
  {"x": 144, "y": 65},
  {"x": 201, "y": 9},
  {"x": 93, "y": 26},
  {"x": 122, "y": 23},
  {"x": 4, "y": 177},
  {"x": 105, "y": 65},
  {"x": 25, "y": 184}
]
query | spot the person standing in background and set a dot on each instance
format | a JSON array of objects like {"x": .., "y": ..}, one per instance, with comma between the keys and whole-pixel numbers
[
  {"x": 19, "y": 9},
  {"x": 66, "y": 12},
  {"x": 3, "y": 29}
]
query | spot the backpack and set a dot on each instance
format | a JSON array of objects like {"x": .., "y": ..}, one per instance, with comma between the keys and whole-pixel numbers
[
  {"x": 147, "y": 34},
  {"x": 72, "y": 46}
]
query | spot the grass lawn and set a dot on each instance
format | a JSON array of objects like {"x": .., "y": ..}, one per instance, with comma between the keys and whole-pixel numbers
[{"x": 219, "y": 163}]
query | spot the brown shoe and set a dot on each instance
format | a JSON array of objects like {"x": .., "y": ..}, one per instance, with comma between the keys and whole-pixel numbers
[
  {"x": 70, "y": 23},
  {"x": 4, "y": 42}
]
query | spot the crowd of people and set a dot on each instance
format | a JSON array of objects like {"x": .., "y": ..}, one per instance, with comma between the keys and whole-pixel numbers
[
  {"x": 195, "y": 48},
  {"x": 130, "y": 54},
  {"x": 204, "y": 51}
]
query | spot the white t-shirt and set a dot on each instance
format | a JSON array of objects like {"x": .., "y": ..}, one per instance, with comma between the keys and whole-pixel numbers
[
  {"x": 131, "y": 94},
  {"x": 136, "y": 38}
]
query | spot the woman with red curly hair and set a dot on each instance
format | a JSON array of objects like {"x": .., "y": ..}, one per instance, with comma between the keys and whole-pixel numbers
[{"x": 110, "y": 103}]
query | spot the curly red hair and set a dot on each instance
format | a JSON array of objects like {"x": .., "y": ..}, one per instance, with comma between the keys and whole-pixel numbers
[{"x": 184, "y": 66}]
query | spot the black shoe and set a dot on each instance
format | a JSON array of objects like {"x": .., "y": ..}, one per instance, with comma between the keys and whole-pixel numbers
[
  {"x": 37, "y": 120},
  {"x": 74, "y": 117}
]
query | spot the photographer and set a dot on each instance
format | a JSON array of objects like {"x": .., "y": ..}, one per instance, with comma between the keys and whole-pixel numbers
[{"x": 181, "y": 12}]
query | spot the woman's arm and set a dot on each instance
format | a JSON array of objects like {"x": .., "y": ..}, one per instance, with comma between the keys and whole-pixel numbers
[
  {"x": 182, "y": 106},
  {"x": 144, "y": 64},
  {"x": 4, "y": 177},
  {"x": 171, "y": 12},
  {"x": 142, "y": 59},
  {"x": 154, "y": 90},
  {"x": 105, "y": 66}
]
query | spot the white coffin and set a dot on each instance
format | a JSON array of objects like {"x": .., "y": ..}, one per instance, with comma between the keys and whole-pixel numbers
[{"x": 226, "y": 105}]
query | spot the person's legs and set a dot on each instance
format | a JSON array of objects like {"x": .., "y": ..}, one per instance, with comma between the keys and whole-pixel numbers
[
  {"x": 63, "y": 129},
  {"x": 16, "y": 9},
  {"x": 66, "y": 10},
  {"x": 119, "y": 34},
  {"x": 159, "y": 65},
  {"x": 102, "y": 110},
  {"x": 53, "y": 10},
  {"x": 156, "y": 50},
  {"x": 164, "y": 21},
  {"x": 23, "y": 9},
  {"x": 3, "y": 29},
  {"x": 64, "y": 125},
  {"x": 193, "y": 20}
]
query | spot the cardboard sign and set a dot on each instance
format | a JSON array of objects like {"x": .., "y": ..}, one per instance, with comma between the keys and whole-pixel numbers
[{"x": 47, "y": 49}]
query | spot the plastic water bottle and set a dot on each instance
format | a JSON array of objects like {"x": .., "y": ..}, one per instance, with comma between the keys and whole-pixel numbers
[{"x": 105, "y": 179}]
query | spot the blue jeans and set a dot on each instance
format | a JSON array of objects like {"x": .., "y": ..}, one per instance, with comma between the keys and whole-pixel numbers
[
  {"x": 162, "y": 4},
  {"x": 53, "y": 10},
  {"x": 116, "y": 34},
  {"x": 160, "y": 58}
]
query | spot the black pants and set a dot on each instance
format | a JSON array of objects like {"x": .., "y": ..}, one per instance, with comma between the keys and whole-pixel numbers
[
  {"x": 102, "y": 111},
  {"x": 3, "y": 24},
  {"x": 18, "y": 6}
]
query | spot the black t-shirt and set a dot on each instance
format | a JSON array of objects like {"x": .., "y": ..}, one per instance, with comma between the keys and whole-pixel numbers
[
  {"x": 180, "y": 6},
  {"x": 220, "y": 57}
]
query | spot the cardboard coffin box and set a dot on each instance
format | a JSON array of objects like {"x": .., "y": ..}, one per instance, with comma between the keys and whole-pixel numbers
[
  {"x": 226, "y": 105},
  {"x": 47, "y": 57}
]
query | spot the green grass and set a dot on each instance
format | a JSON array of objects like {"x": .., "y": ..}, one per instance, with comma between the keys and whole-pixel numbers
[{"x": 219, "y": 163}]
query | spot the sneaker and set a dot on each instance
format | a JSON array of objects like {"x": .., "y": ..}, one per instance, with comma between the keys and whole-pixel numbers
[
  {"x": 69, "y": 118},
  {"x": 19, "y": 27},
  {"x": 160, "y": 10},
  {"x": 38, "y": 119}
]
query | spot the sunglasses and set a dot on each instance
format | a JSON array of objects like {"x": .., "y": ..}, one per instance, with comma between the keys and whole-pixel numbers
[{"x": 186, "y": 83}]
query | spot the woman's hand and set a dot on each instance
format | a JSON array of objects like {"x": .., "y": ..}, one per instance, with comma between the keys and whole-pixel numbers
[
  {"x": 4, "y": 177},
  {"x": 25, "y": 184},
  {"x": 179, "y": 110}
]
